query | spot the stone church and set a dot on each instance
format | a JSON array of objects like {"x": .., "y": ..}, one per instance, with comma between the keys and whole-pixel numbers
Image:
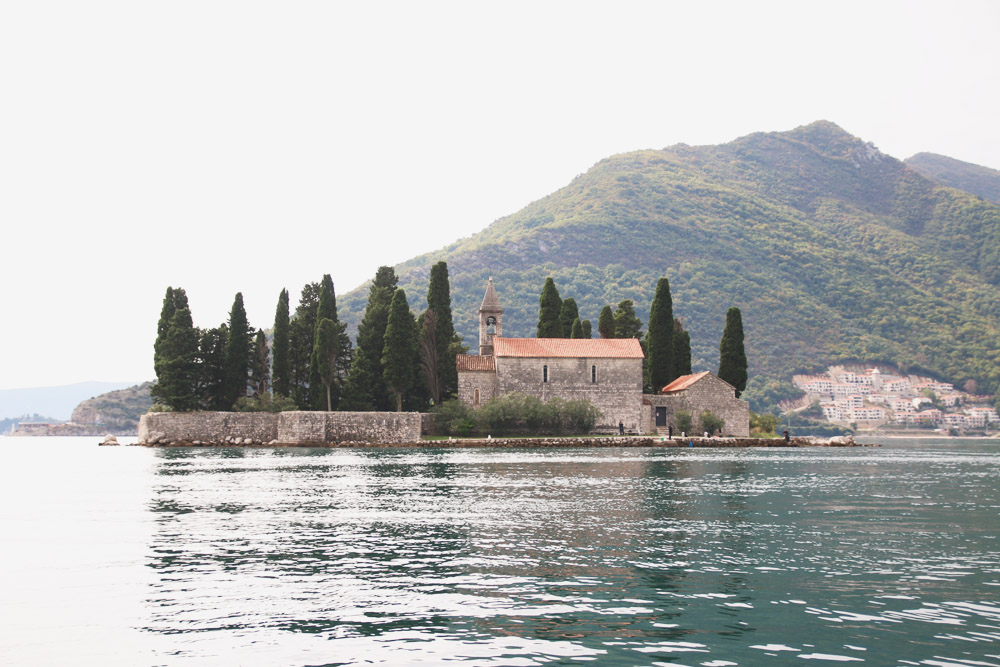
[{"x": 605, "y": 371}]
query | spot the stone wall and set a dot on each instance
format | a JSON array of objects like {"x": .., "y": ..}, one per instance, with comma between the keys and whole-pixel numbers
[
  {"x": 470, "y": 381},
  {"x": 616, "y": 393},
  {"x": 709, "y": 393},
  {"x": 285, "y": 428}
]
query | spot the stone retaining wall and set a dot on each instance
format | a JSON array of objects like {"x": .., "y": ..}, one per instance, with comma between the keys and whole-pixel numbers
[{"x": 284, "y": 428}]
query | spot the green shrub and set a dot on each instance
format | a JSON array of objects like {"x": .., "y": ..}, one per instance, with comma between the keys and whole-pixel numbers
[
  {"x": 683, "y": 422},
  {"x": 519, "y": 414},
  {"x": 711, "y": 422}
]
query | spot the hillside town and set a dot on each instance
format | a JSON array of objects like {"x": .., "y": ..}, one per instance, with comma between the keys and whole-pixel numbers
[{"x": 870, "y": 398}]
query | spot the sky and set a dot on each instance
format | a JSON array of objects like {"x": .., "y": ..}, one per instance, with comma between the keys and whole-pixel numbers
[{"x": 247, "y": 147}]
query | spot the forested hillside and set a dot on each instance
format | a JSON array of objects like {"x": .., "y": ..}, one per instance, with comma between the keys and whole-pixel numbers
[
  {"x": 833, "y": 250},
  {"x": 973, "y": 178}
]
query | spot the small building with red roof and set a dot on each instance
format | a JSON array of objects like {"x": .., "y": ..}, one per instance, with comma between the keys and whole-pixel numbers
[{"x": 695, "y": 394}]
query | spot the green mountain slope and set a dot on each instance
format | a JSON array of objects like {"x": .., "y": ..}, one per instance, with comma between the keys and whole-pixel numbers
[
  {"x": 833, "y": 251},
  {"x": 973, "y": 178}
]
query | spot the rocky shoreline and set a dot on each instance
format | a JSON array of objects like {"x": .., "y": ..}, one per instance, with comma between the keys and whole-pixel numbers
[{"x": 508, "y": 443}]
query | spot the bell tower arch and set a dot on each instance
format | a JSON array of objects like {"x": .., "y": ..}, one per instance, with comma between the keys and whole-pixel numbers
[{"x": 490, "y": 320}]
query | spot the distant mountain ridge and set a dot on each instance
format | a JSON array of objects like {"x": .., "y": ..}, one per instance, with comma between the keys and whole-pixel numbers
[
  {"x": 833, "y": 250},
  {"x": 973, "y": 178}
]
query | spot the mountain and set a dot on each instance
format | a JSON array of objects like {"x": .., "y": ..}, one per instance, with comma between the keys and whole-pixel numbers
[
  {"x": 118, "y": 411},
  {"x": 833, "y": 250},
  {"x": 973, "y": 178},
  {"x": 55, "y": 401}
]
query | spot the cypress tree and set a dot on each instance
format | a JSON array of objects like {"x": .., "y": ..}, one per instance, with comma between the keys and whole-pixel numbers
[
  {"x": 212, "y": 367},
  {"x": 368, "y": 390},
  {"x": 176, "y": 360},
  {"x": 260, "y": 367},
  {"x": 439, "y": 300},
  {"x": 567, "y": 315},
  {"x": 325, "y": 349},
  {"x": 660, "y": 338},
  {"x": 587, "y": 331},
  {"x": 549, "y": 308},
  {"x": 163, "y": 326},
  {"x": 576, "y": 330},
  {"x": 627, "y": 323},
  {"x": 237, "y": 353},
  {"x": 682, "y": 350},
  {"x": 326, "y": 309},
  {"x": 281, "y": 381},
  {"x": 400, "y": 348},
  {"x": 606, "y": 323},
  {"x": 732, "y": 356},
  {"x": 302, "y": 334}
]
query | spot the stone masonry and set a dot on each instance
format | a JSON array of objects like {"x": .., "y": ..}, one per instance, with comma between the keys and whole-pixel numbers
[
  {"x": 284, "y": 428},
  {"x": 695, "y": 394},
  {"x": 613, "y": 386}
]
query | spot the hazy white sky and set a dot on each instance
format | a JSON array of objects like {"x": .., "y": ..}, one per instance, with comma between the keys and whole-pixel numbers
[{"x": 250, "y": 146}]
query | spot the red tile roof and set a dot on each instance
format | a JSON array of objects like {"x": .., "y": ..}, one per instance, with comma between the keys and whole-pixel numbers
[
  {"x": 596, "y": 348},
  {"x": 683, "y": 382},
  {"x": 475, "y": 362}
]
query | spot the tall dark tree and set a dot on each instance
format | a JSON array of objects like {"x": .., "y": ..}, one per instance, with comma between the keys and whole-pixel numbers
[
  {"x": 302, "y": 335},
  {"x": 606, "y": 323},
  {"x": 682, "y": 350},
  {"x": 576, "y": 330},
  {"x": 212, "y": 368},
  {"x": 166, "y": 315},
  {"x": 627, "y": 323},
  {"x": 281, "y": 380},
  {"x": 368, "y": 390},
  {"x": 732, "y": 356},
  {"x": 568, "y": 314},
  {"x": 439, "y": 300},
  {"x": 660, "y": 338},
  {"x": 175, "y": 355},
  {"x": 260, "y": 366},
  {"x": 237, "y": 353},
  {"x": 428, "y": 351},
  {"x": 400, "y": 348},
  {"x": 587, "y": 331},
  {"x": 549, "y": 308},
  {"x": 325, "y": 350},
  {"x": 326, "y": 309}
]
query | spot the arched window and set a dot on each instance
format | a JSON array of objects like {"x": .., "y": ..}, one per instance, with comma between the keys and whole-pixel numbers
[
  {"x": 475, "y": 398},
  {"x": 545, "y": 373},
  {"x": 593, "y": 374}
]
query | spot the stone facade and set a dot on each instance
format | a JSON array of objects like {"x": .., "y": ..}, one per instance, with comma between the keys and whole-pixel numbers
[
  {"x": 695, "y": 394},
  {"x": 477, "y": 378},
  {"x": 613, "y": 386},
  {"x": 285, "y": 428}
]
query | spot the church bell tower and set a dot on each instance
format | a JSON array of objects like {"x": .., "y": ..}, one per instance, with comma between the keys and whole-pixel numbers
[{"x": 490, "y": 320}]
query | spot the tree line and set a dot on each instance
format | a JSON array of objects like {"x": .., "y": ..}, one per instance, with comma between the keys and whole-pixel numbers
[
  {"x": 666, "y": 344},
  {"x": 400, "y": 361}
]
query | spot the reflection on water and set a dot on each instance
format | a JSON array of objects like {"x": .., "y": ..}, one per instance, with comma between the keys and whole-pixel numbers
[{"x": 706, "y": 557}]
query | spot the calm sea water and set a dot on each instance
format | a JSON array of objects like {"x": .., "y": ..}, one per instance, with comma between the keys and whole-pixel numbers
[{"x": 135, "y": 556}]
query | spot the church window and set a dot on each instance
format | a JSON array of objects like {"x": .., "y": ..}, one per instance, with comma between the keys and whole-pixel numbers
[
  {"x": 545, "y": 373},
  {"x": 593, "y": 374}
]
